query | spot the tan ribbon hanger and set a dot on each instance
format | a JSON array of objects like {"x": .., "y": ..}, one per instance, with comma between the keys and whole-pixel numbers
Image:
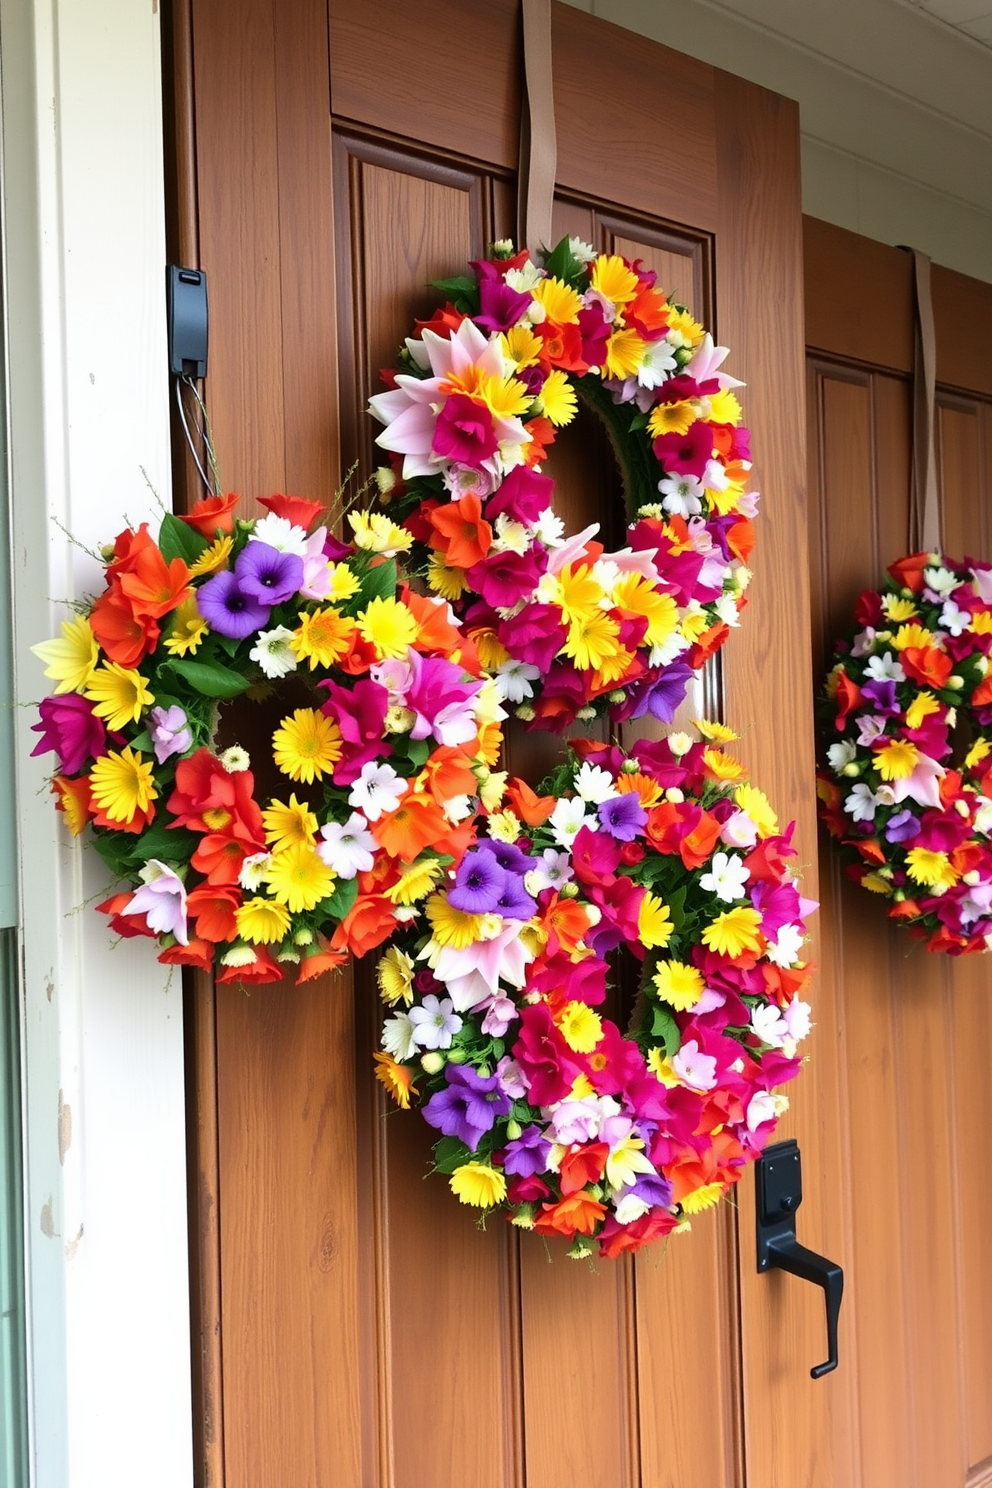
[
  {"x": 538, "y": 141},
  {"x": 924, "y": 510}
]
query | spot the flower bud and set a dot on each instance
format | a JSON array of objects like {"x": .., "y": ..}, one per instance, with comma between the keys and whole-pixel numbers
[
  {"x": 432, "y": 1063},
  {"x": 457, "y": 1056},
  {"x": 513, "y": 1130},
  {"x": 568, "y": 891}
]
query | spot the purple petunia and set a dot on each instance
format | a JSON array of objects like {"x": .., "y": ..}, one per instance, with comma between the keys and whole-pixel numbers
[
  {"x": 514, "y": 902},
  {"x": 479, "y": 882},
  {"x": 623, "y": 817},
  {"x": 267, "y": 575},
  {"x": 228, "y": 610},
  {"x": 528, "y": 1153},
  {"x": 468, "y": 1108},
  {"x": 664, "y": 694},
  {"x": 902, "y": 827}
]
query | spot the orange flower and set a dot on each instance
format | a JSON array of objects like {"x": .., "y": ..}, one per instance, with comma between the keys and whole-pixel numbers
[
  {"x": 125, "y": 636},
  {"x": 870, "y": 850},
  {"x": 740, "y": 538},
  {"x": 212, "y": 907},
  {"x": 153, "y": 586},
  {"x": 531, "y": 808},
  {"x": 318, "y": 961},
  {"x": 631, "y": 1237},
  {"x": 263, "y": 969},
  {"x": 908, "y": 572},
  {"x": 542, "y": 437},
  {"x": 73, "y": 800},
  {"x": 198, "y": 953},
  {"x": 435, "y": 632},
  {"x": 416, "y": 823},
  {"x": 295, "y": 509},
  {"x": 397, "y": 1079},
  {"x": 579, "y": 1214},
  {"x": 708, "y": 644},
  {"x": 930, "y": 667},
  {"x": 366, "y": 925},
  {"x": 449, "y": 773},
  {"x": 462, "y": 534},
  {"x": 212, "y": 515},
  {"x": 565, "y": 922},
  {"x": 583, "y": 1165}
]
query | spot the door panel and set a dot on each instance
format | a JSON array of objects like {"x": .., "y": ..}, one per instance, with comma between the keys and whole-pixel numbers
[
  {"x": 358, "y": 1328},
  {"x": 915, "y": 1028}
]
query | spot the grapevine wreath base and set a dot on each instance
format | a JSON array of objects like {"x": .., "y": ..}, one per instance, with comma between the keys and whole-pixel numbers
[{"x": 906, "y": 786}]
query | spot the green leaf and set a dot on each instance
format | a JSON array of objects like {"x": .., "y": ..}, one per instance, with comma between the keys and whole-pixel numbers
[
  {"x": 666, "y": 1029},
  {"x": 116, "y": 852},
  {"x": 142, "y": 742},
  {"x": 378, "y": 583},
  {"x": 462, "y": 291},
  {"x": 171, "y": 845},
  {"x": 676, "y": 903},
  {"x": 337, "y": 905},
  {"x": 562, "y": 263},
  {"x": 178, "y": 540},
  {"x": 449, "y": 1154},
  {"x": 210, "y": 678},
  {"x": 418, "y": 752}
]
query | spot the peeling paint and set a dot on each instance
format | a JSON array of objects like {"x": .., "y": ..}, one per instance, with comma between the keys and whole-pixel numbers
[
  {"x": 65, "y": 1128},
  {"x": 50, "y": 986},
  {"x": 47, "y": 1220},
  {"x": 70, "y": 1249}
]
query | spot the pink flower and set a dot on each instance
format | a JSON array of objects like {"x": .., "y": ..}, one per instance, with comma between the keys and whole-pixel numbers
[
  {"x": 464, "y": 431},
  {"x": 71, "y": 730},
  {"x": 548, "y": 1064},
  {"x": 503, "y": 579},
  {"x": 162, "y": 901}
]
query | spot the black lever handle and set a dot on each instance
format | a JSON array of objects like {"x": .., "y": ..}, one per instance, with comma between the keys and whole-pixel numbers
[{"x": 779, "y": 1194}]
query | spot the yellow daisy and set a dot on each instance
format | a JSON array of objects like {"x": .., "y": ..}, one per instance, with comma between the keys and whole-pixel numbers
[
  {"x": 285, "y": 826},
  {"x": 343, "y": 582},
  {"x": 722, "y": 766},
  {"x": 298, "y": 878},
  {"x": 395, "y": 973},
  {"x": 718, "y": 732},
  {"x": 558, "y": 399},
  {"x": 119, "y": 694},
  {"x": 733, "y": 932},
  {"x": 678, "y": 984},
  {"x": 637, "y": 594},
  {"x": 561, "y": 303},
  {"x": 417, "y": 881},
  {"x": 702, "y": 1198},
  {"x": 450, "y": 926},
  {"x": 654, "y": 922},
  {"x": 378, "y": 534},
  {"x": 758, "y": 808},
  {"x": 894, "y": 607},
  {"x": 322, "y": 638},
  {"x": 188, "y": 628},
  {"x": 262, "y": 921},
  {"x": 682, "y": 328},
  {"x": 724, "y": 408},
  {"x": 478, "y": 1184},
  {"x": 613, "y": 279},
  {"x": 520, "y": 347},
  {"x": 923, "y": 704},
  {"x": 397, "y": 1079},
  {"x": 448, "y": 581},
  {"x": 911, "y": 635},
  {"x": 122, "y": 785},
  {"x": 580, "y": 1027},
  {"x": 931, "y": 868},
  {"x": 577, "y": 592},
  {"x": 672, "y": 418},
  {"x": 306, "y": 746},
  {"x": 389, "y": 626},
  {"x": 592, "y": 641},
  {"x": 213, "y": 558},
  {"x": 71, "y": 660},
  {"x": 624, "y": 354},
  {"x": 897, "y": 760}
]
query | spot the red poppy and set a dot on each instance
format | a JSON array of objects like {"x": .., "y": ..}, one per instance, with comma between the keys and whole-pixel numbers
[
  {"x": 617, "y": 1238},
  {"x": 371, "y": 919},
  {"x": 908, "y": 572},
  {"x": 213, "y": 909},
  {"x": 199, "y": 953},
  {"x": 263, "y": 969},
  {"x": 582, "y": 1165},
  {"x": 121, "y": 923},
  {"x": 295, "y": 509}
]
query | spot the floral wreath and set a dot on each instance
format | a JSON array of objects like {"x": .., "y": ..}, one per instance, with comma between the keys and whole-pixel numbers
[
  {"x": 568, "y": 630},
  {"x": 383, "y": 760},
  {"x": 544, "y": 1108},
  {"x": 907, "y": 787}
]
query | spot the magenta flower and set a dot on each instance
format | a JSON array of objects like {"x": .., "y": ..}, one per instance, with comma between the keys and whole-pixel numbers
[
  {"x": 535, "y": 635},
  {"x": 500, "y": 307},
  {"x": 464, "y": 431},
  {"x": 70, "y": 730},
  {"x": 523, "y": 496},
  {"x": 360, "y": 713},
  {"x": 595, "y": 332},
  {"x": 442, "y": 701},
  {"x": 545, "y": 1058},
  {"x": 503, "y": 579},
  {"x": 686, "y": 454}
]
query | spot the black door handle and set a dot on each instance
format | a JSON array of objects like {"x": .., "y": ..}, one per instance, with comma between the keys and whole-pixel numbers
[{"x": 779, "y": 1194}]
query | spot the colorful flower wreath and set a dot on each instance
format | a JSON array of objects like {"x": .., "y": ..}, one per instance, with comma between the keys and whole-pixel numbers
[
  {"x": 384, "y": 754},
  {"x": 908, "y": 787},
  {"x": 543, "y": 1106},
  {"x": 482, "y": 389}
]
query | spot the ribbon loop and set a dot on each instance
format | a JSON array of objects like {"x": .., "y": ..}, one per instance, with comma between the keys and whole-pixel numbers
[
  {"x": 538, "y": 140},
  {"x": 924, "y": 512}
]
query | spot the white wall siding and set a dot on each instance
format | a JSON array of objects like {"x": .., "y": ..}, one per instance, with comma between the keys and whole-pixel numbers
[{"x": 102, "y": 1040}]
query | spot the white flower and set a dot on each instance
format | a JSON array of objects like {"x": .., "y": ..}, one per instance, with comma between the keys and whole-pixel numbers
[
  {"x": 435, "y": 1022},
  {"x": 524, "y": 278},
  {"x": 253, "y": 871},
  {"x": 513, "y": 680},
  {"x": 739, "y": 830},
  {"x": 457, "y": 808},
  {"x": 281, "y": 534},
  {"x": 235, "y": 760},
  {"x": 983, "y": 816},
  {"x": 272, "y": 652},
  {"x": 594, "y": 784},
  {"x": 841, "y": 755},
  {"x": 348, "y": 847},
  {"x": 377, "y": 789},
  {"x": 398, "y": 1036},
  {"x": 763, "y": 1106},
  {"x": 861, "y": 804},
  {"x": 885, "y": 668},
  {"x": 726, "y": 878},
  {"x": 567, "y": 820},
  {"x": 672, "y": 646},
  {"x": 797, "y": 1020},
  {"x": 509, "y": 536},
  {"x": 679, "y": 744},
  {"x": 683, "y": 495},
  {"x": 581, "y": 250},
  {"x": 629, "y": 1208},
  {"x": 785, "y": 950},
  {"x": 553, "y": 870},
  {"x": 954, "y": 620},
  {"x": 941, "y": 581},
  {"x": 657, "y": 364},
  {"x": 727, "y": 611},
  {"x": 549, "y": 529},
  {"x": 768, "y": 1025}
]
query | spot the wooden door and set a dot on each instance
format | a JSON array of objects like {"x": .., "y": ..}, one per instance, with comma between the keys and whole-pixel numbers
[
  {"x": 914, "y": 1029},
  {"x": 356, "y": 1327}
]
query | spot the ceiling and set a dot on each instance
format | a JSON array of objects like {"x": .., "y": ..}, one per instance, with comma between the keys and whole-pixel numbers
[{"x": 973, "y": 17}]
